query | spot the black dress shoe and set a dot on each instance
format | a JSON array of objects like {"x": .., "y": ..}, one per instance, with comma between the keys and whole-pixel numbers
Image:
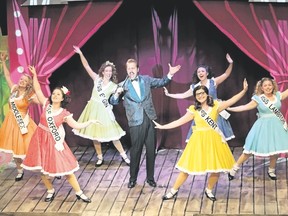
[
  {"x": 152, "y": 183},
  {"x": 210, "y": 196},
  {"x": 19, "y": 176},
  {"x": 230, "y": 177},
  {"x": 50, "y": 197},
  {"x": 169, "y": 195},
  {"x": 86, "y": 199},
  {"x": 131, "y": 184},
  {"x": 274, "y": 178}
]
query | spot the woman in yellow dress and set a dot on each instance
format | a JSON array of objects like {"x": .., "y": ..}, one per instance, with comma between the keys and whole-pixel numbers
[
  {"x": 206, "y": 150},
  {"x": 18, "y": 127}
]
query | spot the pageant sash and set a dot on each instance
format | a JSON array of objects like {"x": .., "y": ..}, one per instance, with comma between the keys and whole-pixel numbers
[
  {"x": 58, "y": 134},
  {"x": 22, "y": 123},
  {"x": 274, "y": 110},
  {"x": 204, "y": 115},
  {"x": 104, "y": 100}
]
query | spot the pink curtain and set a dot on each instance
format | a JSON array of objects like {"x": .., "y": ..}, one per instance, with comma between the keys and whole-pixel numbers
[
  {"x": 259, "y": 30},
  {"x": 43, "y": 36}
]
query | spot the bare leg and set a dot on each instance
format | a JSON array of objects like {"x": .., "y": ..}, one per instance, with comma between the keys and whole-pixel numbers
[
  {"x": 119, "y": 147},
  {"x": 75, "y": 185},
  {"x": 271, "y": 169},
  {"x": 50, "y": 190},
  {"x": 213, "y": 178},
  {"x": 18, "y": 162},
  {"x": 174, "y": 190},
  {"x": 97, "y": 146}
]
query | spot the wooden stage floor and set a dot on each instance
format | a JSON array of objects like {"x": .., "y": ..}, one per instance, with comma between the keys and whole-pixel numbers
[{"x": 251, "y": 193}]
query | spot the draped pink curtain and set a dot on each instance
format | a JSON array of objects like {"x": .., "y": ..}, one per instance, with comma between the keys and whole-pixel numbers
[
  {"x": 259, "y": 30},
  {"x": 43, "y": 36}
]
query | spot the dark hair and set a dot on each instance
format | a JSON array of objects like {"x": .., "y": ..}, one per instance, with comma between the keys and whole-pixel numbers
[
  {"x": 208, "y": 69},
  {"x": 210, "y": 100},
  {"x": 108, "y": 64},
  {"x": 67, "y": 98}
]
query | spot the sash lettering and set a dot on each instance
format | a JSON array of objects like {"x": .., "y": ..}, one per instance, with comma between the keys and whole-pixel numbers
[
  {"x": 274, "y": 110},
  {"x": 211, "y": 123},
  {"x": 20, "y": 121},
  {"x": 52, "y": 126},
  {"x": 104, "y": 100}
]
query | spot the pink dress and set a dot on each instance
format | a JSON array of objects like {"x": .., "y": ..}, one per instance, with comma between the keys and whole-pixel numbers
[{"x": 42, "y": 154}]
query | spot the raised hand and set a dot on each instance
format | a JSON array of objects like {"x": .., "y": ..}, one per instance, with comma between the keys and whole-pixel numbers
[
  {"x": 3, "y": 57},
  {"x": 229, "y": 59},
  {"x": 245, "y": 85},
  {"x": 77, "y": 49},
  {"x": 173, "y": 70},
  {"x": 32, "y": 70}
]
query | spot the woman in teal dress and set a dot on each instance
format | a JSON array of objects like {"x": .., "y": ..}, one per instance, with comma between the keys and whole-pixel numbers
[
  {"x": 99, "y": 108},
  {"x": 268, "y": 136}
]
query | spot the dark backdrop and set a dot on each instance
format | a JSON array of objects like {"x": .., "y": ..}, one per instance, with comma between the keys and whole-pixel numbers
[{"x": 130, "y": 31}]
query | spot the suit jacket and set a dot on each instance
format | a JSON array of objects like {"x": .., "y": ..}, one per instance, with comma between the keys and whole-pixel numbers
[{"x": 135, "y": 106}]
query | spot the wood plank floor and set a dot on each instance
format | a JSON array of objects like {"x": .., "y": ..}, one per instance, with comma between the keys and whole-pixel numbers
[{"x": 251, "y": 193}]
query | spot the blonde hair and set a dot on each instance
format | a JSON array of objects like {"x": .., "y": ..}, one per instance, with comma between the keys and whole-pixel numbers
[
  {"x": 29, "y": 88},
  {"x": 131, "y": 61},
  {"x": 258, "y": 89}
]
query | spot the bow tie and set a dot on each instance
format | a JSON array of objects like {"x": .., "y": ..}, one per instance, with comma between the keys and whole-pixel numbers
[{"x": 136, "y": 79}]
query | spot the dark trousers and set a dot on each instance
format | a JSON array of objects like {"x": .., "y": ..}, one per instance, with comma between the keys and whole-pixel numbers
[{"x": 140, "y": 135}]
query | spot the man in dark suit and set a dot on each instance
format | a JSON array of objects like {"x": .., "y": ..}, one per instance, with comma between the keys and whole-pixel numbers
[{"x": 140, "y": 112}]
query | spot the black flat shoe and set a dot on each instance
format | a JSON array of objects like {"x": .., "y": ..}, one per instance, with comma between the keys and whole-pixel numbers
[
  {"x": 210, "y": 196},
  {"x": 50, "y": 197},
  {"x": 19, "y": 176},
  {"x": 152, "y": 183},
  {"x": 86, "y": 199},
  {"x": 131, "y": 184},
  {"x": 58, "y": 177},
  {"x": 169, "y": 195},
  {"x": 99, "y": 163},
  {"x": 274, "y": 178},
  {"x": 230, "y": 177}
]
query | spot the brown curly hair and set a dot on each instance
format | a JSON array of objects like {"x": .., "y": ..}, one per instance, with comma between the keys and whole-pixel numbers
[{"x": 114, "y": 72}]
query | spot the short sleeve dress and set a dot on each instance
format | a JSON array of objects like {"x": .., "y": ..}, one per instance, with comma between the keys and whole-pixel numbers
[
  {"x": 223, "y": 123},
  {"x": 11, "y": 138},
  {"x": 267, "y": 135},
  {"x": 42, "y": 154},
  {"x": 98, "y": 108},
  {"x": 205, "y": 151}
]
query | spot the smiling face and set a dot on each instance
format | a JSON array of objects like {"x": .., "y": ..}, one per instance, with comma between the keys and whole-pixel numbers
[
  {"x": 201, "y": 96},
  {"x": 25, "y": 81},
  {"x": 132, "y": 69},
  {"x": 57, "y": 96},
  {"x": 202, "y": 74},
  {"x": 267, "y": 87},
  {"x": 107, "y": 73}
]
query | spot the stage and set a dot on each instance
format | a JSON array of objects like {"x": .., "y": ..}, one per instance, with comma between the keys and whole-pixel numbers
[{"x": 251, "y": 193}]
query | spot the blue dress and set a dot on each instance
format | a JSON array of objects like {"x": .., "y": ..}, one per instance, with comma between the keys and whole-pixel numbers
[
  {"x": 223, "y": 123},
  {"x": 267, "y": 135}
]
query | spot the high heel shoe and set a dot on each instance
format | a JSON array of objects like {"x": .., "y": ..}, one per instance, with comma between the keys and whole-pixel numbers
[
  {"x": 209, "y": 195},
  {"x": 126, "y": 160},
  {"x": 271, "y": 174},
  {"x": 19, "y": 176},
  {"x": 170, "y": 195},
  {"x": 83, "y": 197},
  {"x": 50, "y": 197}
]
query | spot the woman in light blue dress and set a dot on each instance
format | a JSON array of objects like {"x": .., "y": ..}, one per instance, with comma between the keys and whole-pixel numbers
[
  {"x": 268, "y": 136},
  {"x": 203, "y": 76}
]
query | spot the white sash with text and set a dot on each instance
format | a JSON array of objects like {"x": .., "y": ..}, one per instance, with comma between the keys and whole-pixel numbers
[
  {"x": 204, "y": 115},
  {"x": 274, "y": 110},
  {"x": 22, "y": 123}
]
